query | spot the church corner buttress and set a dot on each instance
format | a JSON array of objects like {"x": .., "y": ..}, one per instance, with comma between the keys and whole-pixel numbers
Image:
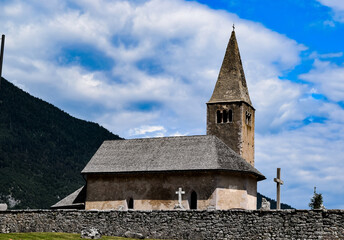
[{"x": 230, "y": 114}]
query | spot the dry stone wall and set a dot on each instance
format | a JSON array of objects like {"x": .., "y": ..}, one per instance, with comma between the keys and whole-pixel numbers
[{"x": 234, "y": 224}]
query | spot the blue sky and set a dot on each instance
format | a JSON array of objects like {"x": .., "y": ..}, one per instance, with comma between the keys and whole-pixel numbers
[{"x": 146, "y": 68}]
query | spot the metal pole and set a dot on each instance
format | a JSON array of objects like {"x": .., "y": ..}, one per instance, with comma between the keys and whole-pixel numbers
[{"x": 2, "y": 55}]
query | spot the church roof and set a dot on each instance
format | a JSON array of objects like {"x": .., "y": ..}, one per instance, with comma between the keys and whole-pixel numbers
[
  {"x": 231, "y": 83},
  {"x": 75, "y": 200},
  {"x": 187, "y": 153}
]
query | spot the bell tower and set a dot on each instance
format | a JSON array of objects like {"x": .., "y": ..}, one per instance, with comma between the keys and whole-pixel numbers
[{"x": 230, "y": 114}]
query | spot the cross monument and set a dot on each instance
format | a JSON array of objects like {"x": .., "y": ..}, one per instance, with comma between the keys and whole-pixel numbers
[
  {"x": 279, "y": 182},
  {"x": 180, "y": 192}
]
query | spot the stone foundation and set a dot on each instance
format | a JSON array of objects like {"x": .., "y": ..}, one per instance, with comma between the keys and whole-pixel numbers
[{"x": 233, "y": 224}]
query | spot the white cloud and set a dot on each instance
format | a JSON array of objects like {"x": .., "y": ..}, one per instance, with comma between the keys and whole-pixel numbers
[
  {"x": 187, "y": 49},
  {"x": 146, "y": 129},
  {"x": 315, "y": 55},
  {"x": 329, "y": 23},
  {"x": 328, "y": 79},
  {"x": 337, "y": 6}
]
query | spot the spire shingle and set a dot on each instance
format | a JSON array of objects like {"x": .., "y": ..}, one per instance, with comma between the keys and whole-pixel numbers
[{"x": 231, "y": 83}]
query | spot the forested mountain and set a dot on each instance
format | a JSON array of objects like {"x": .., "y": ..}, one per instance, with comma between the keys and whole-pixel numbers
[
  {"x": 42, "y": 149},
  {"x": 273, "y": 203}
]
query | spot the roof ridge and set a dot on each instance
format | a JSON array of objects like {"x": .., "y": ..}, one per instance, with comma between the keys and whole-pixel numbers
[{"x": 152, "y": 138}]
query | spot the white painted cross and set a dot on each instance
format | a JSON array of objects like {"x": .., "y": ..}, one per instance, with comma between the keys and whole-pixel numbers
[
  {"x": 279, "y": 183},
  {"x": 180, "y": 192}
]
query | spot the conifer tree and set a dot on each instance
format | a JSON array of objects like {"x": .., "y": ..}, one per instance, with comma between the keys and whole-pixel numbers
[{"x": 316, "y": 201}]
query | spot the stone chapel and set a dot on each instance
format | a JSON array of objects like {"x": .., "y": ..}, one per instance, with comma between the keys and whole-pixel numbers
[{"x": 213, "y": 171}]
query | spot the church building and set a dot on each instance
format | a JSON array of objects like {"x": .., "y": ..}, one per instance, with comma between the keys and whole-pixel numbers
[{"x": 213, "y": 171}]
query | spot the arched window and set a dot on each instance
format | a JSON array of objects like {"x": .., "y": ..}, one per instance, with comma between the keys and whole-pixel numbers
[
  {"x": 131, "y": 203},
  {"x": 230, "y": 116},
  {"x": 193, "y": 202},
  {"x": 248, "y": 118},
  {"x": 218, "y": 116},
  {"x": 225, "y": 116}
]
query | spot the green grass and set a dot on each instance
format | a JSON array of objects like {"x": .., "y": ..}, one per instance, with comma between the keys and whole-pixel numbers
[{"x": 43, "y": 236}]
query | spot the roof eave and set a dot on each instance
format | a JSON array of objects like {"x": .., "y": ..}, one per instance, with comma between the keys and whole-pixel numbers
[
  {"x": 259, "y": 176},
  {"x": 229, "y": 101}
]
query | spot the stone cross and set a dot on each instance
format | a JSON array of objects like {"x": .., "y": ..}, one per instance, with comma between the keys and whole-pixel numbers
[
  {"x": 180, "y": 192},
  {"x": 279, "y": 182}
]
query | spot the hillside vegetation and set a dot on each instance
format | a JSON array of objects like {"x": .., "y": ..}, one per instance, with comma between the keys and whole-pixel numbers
[
  {"x": 273, "y": 203},
  {"x": 42, "y": 149}
]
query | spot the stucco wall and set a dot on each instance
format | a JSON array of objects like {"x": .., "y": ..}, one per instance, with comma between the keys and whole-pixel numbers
[
  {"x": 234, "y": 224},
  {"x": 156, "y": 191}
]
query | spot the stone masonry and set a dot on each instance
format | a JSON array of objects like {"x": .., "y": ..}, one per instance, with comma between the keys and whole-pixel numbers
[{"x": 192, "y": 224}]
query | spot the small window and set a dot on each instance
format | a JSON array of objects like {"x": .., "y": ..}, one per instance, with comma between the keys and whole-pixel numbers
[
  {"x": 230, "y": 116},
  {"x": 131, "y": 203},
  {"x": 193, "y": 202},
  {"x": 219, "y": 116},
  {"x": 225, "y": 116},
  {"x": 248, "y": 118}
]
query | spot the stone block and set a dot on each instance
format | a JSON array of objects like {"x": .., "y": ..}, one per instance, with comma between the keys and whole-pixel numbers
[
  {"x": 90, "y": 233},
  {"x": 130, "y": 234},
  {"x": 3, "y": 206}
]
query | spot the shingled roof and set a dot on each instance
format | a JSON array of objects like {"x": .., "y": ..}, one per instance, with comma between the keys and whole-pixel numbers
[
  {"x": 75, "y": 200},
  {"x": 231, "y": 83},
  {"x": 187, "y": 153}
]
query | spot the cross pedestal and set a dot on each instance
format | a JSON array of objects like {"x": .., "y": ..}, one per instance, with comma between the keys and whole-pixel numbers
[{"x": 279, "y": 182}]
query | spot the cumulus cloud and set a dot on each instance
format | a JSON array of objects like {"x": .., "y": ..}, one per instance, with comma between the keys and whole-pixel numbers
[
  {"x": 328, "y": 79},
  {"x": 146, "y": 129},
  {"x": 337, "y": 6},
  {"x": 162, "y": 51}
]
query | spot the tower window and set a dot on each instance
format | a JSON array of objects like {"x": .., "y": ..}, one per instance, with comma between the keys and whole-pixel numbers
[
  {"x": 230, "y": 116},
  {"x": 225, "y": 116},
  {"x": 131, "y": 203},
  {"x": 193, "y": 202},
  {"x": 248, "y": 118},
  {"x": 219, "y": 116}
]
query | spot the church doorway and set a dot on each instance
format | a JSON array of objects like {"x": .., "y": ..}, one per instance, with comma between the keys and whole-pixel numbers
[
  {"x": 131, "y": 203},
  {"x": 193, "y": 202}
]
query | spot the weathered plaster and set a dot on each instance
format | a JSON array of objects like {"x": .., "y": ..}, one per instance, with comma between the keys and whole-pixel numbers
[{"x": 156, "y": 191}]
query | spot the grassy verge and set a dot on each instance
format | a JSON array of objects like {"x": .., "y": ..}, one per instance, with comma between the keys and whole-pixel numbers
[{"x": 44, "y": 236}]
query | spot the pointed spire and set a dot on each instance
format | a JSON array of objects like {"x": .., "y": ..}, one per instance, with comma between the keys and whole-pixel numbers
[{"x": 231, "y": 83}]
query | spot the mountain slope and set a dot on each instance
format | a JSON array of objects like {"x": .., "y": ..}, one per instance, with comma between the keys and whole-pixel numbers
[
  {"x": 42, "y": 149},
  {"x": 273, "y": 203}
]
